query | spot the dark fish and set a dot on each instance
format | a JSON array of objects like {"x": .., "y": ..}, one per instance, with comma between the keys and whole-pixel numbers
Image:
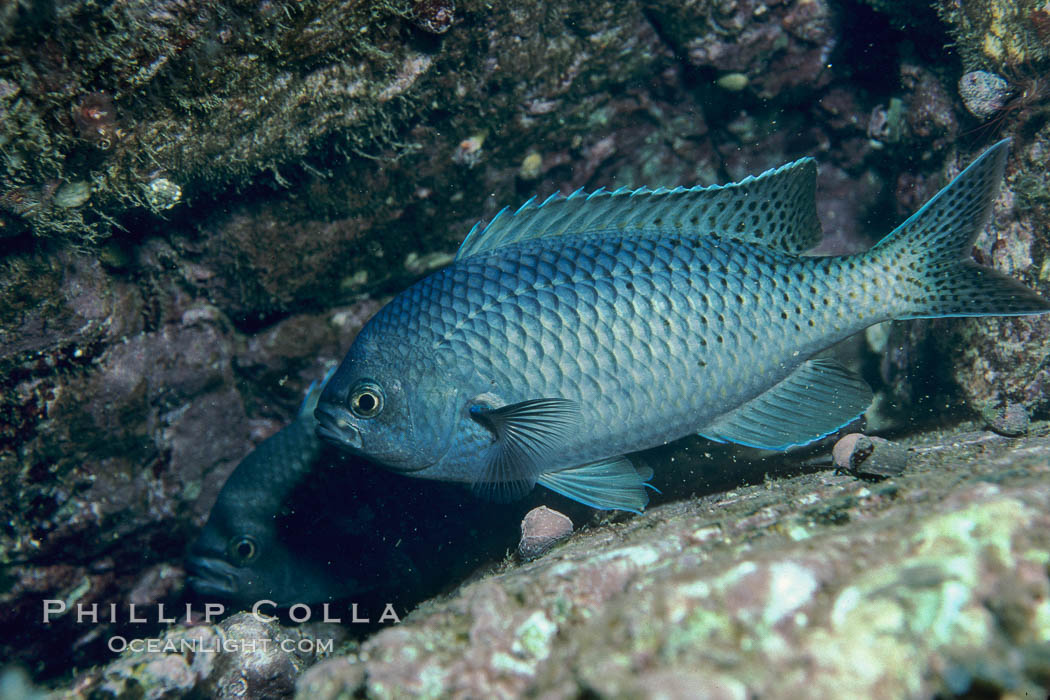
[
  {"x": 240, "y": 553},
  {"x": 573, "y": 331}
]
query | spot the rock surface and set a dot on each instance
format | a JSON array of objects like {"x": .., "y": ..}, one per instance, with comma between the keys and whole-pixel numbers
[
  {"x": 934, "y": 582},
  {"x": 244, "y": 656},
  {"x": 931, "y": 583}
]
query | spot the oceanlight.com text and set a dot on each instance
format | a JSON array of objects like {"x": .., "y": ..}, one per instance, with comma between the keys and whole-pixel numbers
[{"x": 119, "y": 644}]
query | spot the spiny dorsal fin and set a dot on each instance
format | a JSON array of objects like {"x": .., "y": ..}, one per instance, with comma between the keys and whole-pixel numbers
[{"x": 777, "y": 210}]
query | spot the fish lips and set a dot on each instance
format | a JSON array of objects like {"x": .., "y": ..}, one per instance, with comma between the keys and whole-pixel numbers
[
  {"x": 210, "y": 576},
  {"x": 334, "y": 425}
]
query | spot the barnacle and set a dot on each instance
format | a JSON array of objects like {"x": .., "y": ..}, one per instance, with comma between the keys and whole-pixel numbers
[
  {"x": 984, "y": 93},
  {"x": 28, "y": 201},
  {"x": 162, "y": 193},
  {"x": 73, "y": 194},
  {"x": 1014, "y": 99}
]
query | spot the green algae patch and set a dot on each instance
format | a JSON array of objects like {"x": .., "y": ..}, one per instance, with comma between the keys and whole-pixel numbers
[{"x": 533, "y": 637}]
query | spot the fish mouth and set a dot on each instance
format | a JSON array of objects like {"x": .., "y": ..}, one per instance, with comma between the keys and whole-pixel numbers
[
  {"x": 210, "y": 576},
  {"x": 334, "y": 425}
]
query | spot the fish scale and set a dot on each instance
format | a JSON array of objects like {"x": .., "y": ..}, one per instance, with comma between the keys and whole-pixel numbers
[
  {"x": 664, "y": 301},
  {"x": 569, "y": 333}
]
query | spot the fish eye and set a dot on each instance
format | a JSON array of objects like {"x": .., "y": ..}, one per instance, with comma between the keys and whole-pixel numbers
[
  {"x": 366, "y": 401},
  {"x": 243, "y": 549}
]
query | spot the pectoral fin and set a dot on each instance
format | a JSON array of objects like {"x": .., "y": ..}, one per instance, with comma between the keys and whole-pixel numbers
[
  {"x": 611, "y": 484},
  {"x": 527, "y": 434},
  {"x": 815, "y": 400}
]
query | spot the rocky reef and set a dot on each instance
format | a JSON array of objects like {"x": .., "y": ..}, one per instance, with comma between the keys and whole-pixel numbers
[
  {"x": 932, "y": 584},
  {"x": 816, "y": 587},
  {"x": 201, "y": 204}
]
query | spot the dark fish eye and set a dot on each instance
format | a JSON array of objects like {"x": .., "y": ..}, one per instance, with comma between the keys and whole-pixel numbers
[
  {"x": 366, "y": 401},
  {"x": 243, "y": 549}
]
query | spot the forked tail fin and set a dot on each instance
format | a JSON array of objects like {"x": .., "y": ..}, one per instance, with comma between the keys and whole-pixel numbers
[{"x": 932, "y": 249}]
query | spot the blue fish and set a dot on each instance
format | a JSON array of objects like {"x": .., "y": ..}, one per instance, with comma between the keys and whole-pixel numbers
[{"x": 576, "y": 330}]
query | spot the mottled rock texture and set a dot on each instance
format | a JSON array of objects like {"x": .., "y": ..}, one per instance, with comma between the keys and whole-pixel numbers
[
  {"x": 244, "y": 656},
  {"x": 818, "y": 586},
  {"x": 121, "y": 407},
  {"x": 987, "y": 33},
  {"x": 999, "y": 33},
  {"x": 933, "y": 583},
  {"x": 200, "y": 204}
]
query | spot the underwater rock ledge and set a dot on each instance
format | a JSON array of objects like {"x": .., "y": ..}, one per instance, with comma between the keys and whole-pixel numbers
[
  {"x": 818, "y": 586},
  {"x": 134, "y": 375}
]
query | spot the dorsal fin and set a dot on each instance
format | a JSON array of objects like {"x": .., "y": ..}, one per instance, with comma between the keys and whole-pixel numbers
[{"x": 777, "y": 210}]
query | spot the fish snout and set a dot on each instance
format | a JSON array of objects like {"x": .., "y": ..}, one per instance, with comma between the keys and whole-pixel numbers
[
  {"x": 211, "y": 576},
  {"x": 335, "y": 424}
]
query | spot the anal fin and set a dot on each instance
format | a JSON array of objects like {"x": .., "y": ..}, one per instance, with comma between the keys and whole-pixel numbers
[
  {"x": 609, "y": 484},
  {"x": 815, "y": 400}
]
